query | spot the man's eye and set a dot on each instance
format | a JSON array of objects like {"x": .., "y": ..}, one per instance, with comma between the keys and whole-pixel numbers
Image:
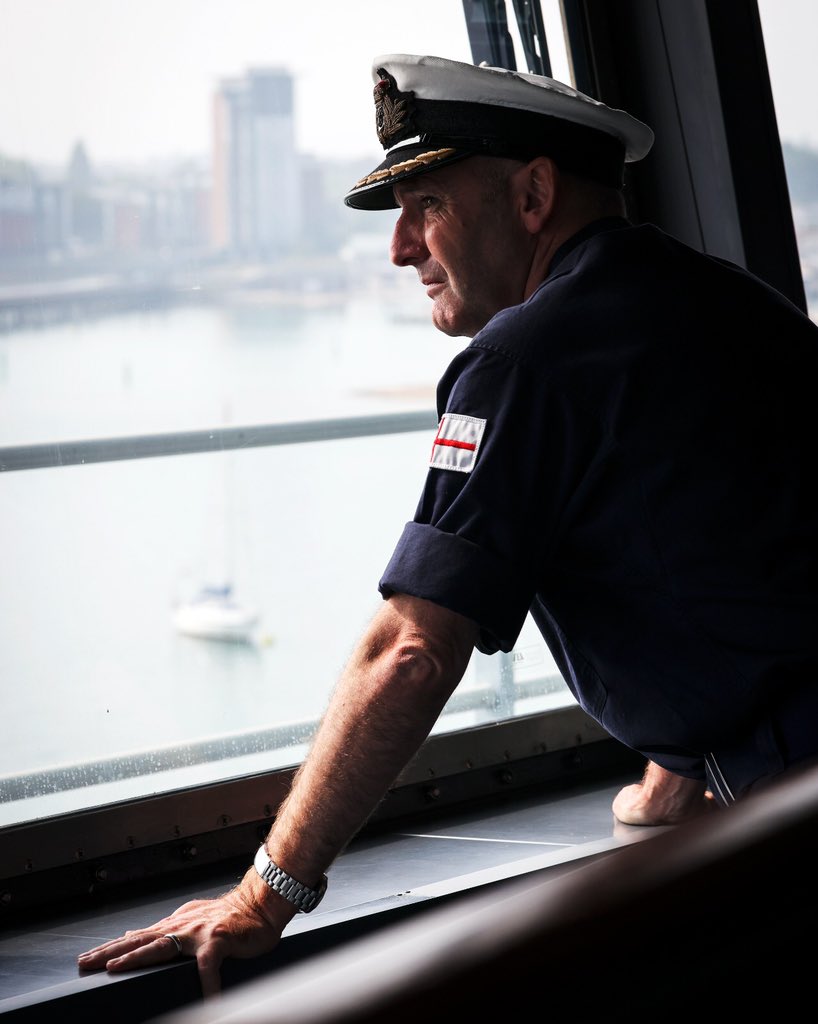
[{"x": 428, "y": 201}]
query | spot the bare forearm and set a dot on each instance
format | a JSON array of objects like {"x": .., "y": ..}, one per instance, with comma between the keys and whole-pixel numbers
[
  {"x": 387, "y": 700},
  {"x": 385, "y": 704},
  {"x": 360, "y": 749}
]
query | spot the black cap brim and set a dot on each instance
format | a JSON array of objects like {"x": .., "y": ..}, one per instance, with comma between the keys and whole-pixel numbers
[{"x": 374, "y": 192}]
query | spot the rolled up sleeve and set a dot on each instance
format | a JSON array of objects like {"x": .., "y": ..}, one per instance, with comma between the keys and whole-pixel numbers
[{"x": 457, "y": 574}]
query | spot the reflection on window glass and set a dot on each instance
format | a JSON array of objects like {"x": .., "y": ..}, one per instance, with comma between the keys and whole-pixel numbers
[
  {"x": 175, "y": 255},
  {"x": 790, "y": 31}
]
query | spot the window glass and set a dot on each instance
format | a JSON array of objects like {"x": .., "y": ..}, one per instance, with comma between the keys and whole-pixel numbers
[
  {"x": 171, "y": 182},
  {"x": 123, "y": 676},
  {"x": 174, "y": 256},
  {"x": 553, "y": 26},
  {"x": 789, "y": 36}
]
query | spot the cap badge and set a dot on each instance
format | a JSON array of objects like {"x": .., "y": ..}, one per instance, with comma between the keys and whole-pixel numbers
[{"x": 393, "y": 110}]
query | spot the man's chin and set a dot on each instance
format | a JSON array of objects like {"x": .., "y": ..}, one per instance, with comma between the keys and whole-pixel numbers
[{"x": 447, "y": 322}]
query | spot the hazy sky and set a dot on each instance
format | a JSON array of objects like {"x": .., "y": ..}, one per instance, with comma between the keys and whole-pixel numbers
[{"x": 133, "y": 78}]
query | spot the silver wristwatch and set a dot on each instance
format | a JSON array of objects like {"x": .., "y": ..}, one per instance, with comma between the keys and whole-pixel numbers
[{"x": 285, "y": 885}]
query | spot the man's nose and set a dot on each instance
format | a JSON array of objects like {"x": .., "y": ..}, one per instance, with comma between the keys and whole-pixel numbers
[{"x": 408, "y": 247}]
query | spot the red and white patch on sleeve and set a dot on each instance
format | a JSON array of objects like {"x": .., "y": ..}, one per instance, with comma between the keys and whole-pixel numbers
[{"x": 457, "y": 442}]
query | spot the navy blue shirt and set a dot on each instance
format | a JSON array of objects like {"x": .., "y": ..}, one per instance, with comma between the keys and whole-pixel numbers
[{"x": 630, "y": 455}]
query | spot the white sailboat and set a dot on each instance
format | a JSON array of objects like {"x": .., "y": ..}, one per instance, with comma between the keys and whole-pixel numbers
[{"x": 213, "y": 614}]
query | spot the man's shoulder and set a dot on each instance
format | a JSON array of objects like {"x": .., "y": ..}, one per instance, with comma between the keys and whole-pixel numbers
[
  {"x": 640, "y": 270},
  {"x": 615, "y": 244},
  {"x": 578, "y": 289},
  {"x": 635, "y": 286}
]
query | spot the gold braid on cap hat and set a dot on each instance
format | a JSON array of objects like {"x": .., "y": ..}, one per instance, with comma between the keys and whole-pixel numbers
[{"x": 423, "y": 160}]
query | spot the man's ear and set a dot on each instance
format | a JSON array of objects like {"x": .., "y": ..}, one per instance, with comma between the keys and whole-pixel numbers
[{"x": 537, "y": 184}]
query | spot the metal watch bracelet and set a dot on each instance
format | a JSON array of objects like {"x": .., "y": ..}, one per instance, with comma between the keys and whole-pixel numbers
[{"x": 300, "y": 895}]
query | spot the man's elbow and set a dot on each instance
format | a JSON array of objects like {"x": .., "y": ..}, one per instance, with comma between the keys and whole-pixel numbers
[
  {"x": 420, "y": 664},
  {"x": 419, "y": 645}
]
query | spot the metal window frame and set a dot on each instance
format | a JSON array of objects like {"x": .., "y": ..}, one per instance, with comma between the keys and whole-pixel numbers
[
  {"x": 86, "y": 855},
  {"x": 490, "y": 39}
]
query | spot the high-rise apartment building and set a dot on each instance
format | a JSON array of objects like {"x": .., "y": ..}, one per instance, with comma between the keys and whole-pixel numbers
[{"x": 256, "y": 184}]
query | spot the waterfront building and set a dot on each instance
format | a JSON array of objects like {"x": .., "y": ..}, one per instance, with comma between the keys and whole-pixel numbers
[{"x": 256, "y": 209}]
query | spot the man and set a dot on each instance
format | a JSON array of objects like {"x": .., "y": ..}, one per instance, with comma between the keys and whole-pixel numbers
[{"x": 625, "y": 450}]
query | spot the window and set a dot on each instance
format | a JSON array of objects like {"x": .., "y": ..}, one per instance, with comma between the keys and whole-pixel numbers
[
  {"x": 176, "y": 265},
  {"x": 788, "y": 43}
]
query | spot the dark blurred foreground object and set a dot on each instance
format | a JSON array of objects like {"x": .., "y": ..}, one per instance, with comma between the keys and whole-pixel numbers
[{"x": 719, "y": 912}]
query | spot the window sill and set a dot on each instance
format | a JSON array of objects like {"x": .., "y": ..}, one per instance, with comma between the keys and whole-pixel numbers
[{"x": 434, "y": 860}]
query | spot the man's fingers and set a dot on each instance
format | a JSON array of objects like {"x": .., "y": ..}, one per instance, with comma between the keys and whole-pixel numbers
[
  {"x": 135, "y": 949},
  {"x": 209, "y": 959},
  {"x": 100, "y": 955},
  {"x": 160, "y": 950},
  {"x": 209, "y": 930}
]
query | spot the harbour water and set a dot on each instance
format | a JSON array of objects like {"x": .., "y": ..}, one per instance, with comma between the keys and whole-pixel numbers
[{"x": 95, "y": 557}]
